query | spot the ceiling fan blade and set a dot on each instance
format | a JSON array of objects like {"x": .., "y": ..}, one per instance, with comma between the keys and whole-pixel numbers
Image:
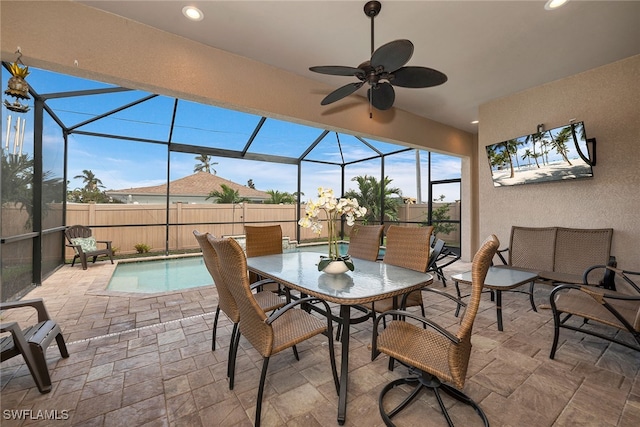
[
  {"x": 383, "y": 96},
  {"x": 417, "y": 77},
  {"x": 392, "y": 55},
  {"x": 337, "y": 70},
  {"x": 341, "y": 92}
]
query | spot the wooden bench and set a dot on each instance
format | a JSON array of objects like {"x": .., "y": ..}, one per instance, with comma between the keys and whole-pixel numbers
[{"x": 560, "y": 255}]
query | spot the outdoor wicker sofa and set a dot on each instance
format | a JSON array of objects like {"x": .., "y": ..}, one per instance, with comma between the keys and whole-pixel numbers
[{"x": 560, "y": 255}]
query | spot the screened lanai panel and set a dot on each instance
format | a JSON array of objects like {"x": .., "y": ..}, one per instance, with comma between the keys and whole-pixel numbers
[
  {"x": 17, "y": 170},
  {"x": 340, "y": 148},
  {"x": 445, "y": 167},
  {"x": 124, "y": 168},
  {"x": 362, "y": 169},
  {"x": 284, "y": 138},
  {"x": 251, "y": 178},
  {"x": 315, "y": 175},
  {"x": 17, "y": 269},
  {"x": 213, "y": 127},
  {"x": 146, "y": 119},
  {"x": 401, "y": 170},
  {"x": 53, "y": 189}
]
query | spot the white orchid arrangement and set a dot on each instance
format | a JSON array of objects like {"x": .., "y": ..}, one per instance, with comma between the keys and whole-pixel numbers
[{"x": 334, "y": 209}]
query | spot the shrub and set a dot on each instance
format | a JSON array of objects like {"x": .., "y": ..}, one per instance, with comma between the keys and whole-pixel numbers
[{"x": 142, "y": 248}]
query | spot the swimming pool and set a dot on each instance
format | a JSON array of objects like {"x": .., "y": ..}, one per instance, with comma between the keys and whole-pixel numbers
[
  {"x": 175, "y": 274},
  {"x": 163, "y": 275}
]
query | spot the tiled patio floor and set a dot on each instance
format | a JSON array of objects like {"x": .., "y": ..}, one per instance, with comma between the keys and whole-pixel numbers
[{"x": 146, "y": 360}]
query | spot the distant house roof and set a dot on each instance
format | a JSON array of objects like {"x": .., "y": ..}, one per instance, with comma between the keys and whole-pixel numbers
[{"x": 200, "y": 184}]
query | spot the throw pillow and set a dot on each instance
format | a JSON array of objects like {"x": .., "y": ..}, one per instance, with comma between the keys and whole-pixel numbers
[{"x": 88, "y": 244}]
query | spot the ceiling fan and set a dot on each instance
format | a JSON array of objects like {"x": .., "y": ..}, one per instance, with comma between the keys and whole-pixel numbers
[{"x": 384, "y": 70}]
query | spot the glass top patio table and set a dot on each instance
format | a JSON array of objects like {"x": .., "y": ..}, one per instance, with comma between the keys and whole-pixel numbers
[
  {"x": 499, "y": 279},
  {"x": 370, "y": 281}
]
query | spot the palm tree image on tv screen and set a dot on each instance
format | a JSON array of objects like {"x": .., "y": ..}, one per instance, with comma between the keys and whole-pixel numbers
[{"x": 551, "y": 155}]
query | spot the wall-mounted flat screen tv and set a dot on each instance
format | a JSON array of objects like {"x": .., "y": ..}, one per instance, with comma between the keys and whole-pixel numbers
[{"x": 550, "y": 155}]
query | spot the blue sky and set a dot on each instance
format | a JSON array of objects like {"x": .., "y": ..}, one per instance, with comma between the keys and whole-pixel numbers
[{"x": 121, "y": 164}]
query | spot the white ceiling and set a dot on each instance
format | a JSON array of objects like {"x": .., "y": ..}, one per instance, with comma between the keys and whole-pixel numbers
[{"x": 488, "y": 49}]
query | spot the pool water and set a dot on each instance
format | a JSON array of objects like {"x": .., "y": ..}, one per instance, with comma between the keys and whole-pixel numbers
[
  {"x": 164, "y": 275},
  {"x": 174, "y": 274}
]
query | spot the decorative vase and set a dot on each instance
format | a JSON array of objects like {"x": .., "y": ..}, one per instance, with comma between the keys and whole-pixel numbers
[{"x": 336, "y": 267}]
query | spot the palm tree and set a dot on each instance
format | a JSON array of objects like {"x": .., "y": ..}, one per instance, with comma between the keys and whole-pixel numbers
[
  {"x": 227, "y": 195},
  {"x": 278, "y": 198},
  {"x": 537, "y": 138},
  {"x": 369, "y": 196},
  {"x": 91, "y": 182},
  {"x": 560, "y": 143},
  {"x": 205, "y": 164},
  {"x": 528, "y": 155},
  {"x": 510, "y": 147}
]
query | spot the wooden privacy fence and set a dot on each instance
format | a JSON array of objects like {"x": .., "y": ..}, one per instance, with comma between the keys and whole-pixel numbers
[{"x": 127, "y": 225}]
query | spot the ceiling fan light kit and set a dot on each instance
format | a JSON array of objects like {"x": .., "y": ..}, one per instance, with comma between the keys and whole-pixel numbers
[{"x": 385, "y": 69}]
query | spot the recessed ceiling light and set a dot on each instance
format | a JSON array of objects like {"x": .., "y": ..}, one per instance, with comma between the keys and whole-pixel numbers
[
  {"x": 193, "y": 13},
  {"x": 475, "y": 122},
  {"x": 554, "y": 4}
]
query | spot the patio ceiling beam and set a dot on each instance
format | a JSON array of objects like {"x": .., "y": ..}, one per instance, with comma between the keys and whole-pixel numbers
[
  {"x": 126, "y": 138},
  {"x": 70, "y": 94},
  {"x": 253, "y": 135},
  {"x": 322, "y": 162},
  {"x": 232, "y": 154},
  {"x": 369, "y": 145},
  {"x": 313, "y": 145}
]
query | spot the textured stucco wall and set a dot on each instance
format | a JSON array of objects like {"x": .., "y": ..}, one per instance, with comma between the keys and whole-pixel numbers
[{"x": 607, "y": 99}]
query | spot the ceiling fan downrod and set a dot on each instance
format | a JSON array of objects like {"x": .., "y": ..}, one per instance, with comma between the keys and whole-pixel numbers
[{"x": 372, "y": 9}]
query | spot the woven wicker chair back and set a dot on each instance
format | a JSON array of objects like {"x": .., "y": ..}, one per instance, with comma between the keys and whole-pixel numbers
[
  {"x": 408, "y": 247},
  {"x": 225, "y": 300},
  {"x": 263, "y": 240},
  {"x": 532, "y": 247},
  {"x": 595, "y": 245},
  {"x": 459, "y": 354},
  {"x": 364, "y": 241},
  {"x": 234, "y": 274}
]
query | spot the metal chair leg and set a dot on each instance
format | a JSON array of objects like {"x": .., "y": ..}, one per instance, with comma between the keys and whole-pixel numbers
[
  {"x": 215, "y": 328},
  {"x": 263, "y": 377}
]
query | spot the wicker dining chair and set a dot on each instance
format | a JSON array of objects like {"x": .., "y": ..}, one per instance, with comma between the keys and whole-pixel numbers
[
  {"x": 272, "y": 334},
  {"x": 263, "y": 240},
  {"x": 437, "y": 355},
  {"x": 364, "y": 241},
  {"x": 598, "y": 308},
  {"x": 268, "y": 301},
  {"x": 406, "y": 247}
]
